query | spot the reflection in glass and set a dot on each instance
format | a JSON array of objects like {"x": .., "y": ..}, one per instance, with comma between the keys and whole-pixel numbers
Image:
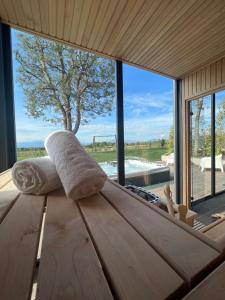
[
  {"x": 220, "y": 141},
  {"x": 200, "y": 147}
]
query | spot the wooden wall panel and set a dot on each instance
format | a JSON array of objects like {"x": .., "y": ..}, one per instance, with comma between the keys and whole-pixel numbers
[{"x": 204, "y": 81}]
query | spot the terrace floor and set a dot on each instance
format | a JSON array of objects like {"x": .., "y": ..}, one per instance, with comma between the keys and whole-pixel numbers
[
  {"x": 201, "y": 186},
  {"x": 207, "y": 208}
]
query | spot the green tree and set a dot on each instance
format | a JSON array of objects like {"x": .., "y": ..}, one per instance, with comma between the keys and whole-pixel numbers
[
  {"x": 61, "y": 84},
  {"x": 163, "y": 143},
  {"x": 170, "y": 144},
  {"x": 197, "y": 124}
]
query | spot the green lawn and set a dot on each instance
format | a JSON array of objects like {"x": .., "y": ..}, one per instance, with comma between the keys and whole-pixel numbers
[{"x": 151, "y": 154}]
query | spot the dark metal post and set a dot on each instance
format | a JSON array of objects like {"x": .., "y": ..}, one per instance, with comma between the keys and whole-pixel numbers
[
  {"x": 120, "y": 122},
  {"x": 7, "y": 120},
  {"x": 213, "y": 144},
  {"x": 178, "y": 140}
]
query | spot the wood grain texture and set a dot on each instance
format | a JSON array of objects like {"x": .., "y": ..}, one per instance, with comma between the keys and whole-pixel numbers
[
  {"x": 168, "y": 37},
  {"x": 206, "y": 80},
  {"x": 69, "y": 267},
  {"x": 19, "y": 236},
  {"x": 134, "y": 268},
  {"x": 166, "y": 237},
  {"x": 5, "y": 177},
  {"x": 213, "y": 287},
  {"x": 8, "y": 195}
]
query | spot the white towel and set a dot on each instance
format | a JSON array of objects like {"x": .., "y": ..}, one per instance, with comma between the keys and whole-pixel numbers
[
  {"x": 81, "y": 176},
  {"x": 36, "y": 176}
]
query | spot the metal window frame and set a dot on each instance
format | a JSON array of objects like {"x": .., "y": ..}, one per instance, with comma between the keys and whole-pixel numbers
[
  {"x": 120, "y": 123},
  {"x": 178, "y": 140},
  {"x": 7, "y": 115}
]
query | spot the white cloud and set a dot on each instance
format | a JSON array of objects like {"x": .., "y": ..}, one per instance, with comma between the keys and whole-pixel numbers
[
  {"x": 148, "y": 116},
  {"x": 144, "y": 103}
]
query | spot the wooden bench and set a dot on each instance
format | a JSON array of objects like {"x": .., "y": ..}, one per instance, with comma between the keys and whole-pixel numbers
[
  {"x": 211, "y": 288},
  {"x": 216, "y": 231},
  {"x": 113, "y": 245}
]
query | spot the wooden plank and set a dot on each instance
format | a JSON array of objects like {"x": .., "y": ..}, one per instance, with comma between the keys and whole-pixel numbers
[
  {"x": 219, "y": 72},
  {"x": 166, "y": 237},
  {"x": 208, "y": 78},
  {"x": 190, "y": 85},
  {"x": 60, "y": 19},
  {"x": 19, "y": 236},
  {"x": 194, "y": 84},
  {"x": 35, "y": 9},
  {"x": 199, "y": 81},
  {"x": 135, "y": 269},
  {"x": 27, "y": 13},
  {"x": 213, "y": 75},
  {"x": 68, "y": 19},
  {"x": 216, "y": 231},
  {"x": 213, "y": 287},
  {"x": 84, "y": 17},
  {"x": 223, "y": 70},
  {"x": 44, "y": 15},
  {"x": 69, "y": 267},
  {"x": 52, "y": 21},
  {"x": 119, "y": 23},
  {"x": 188, "y": 30},
  {"x": 5, "y": 177},
  {"x": 8, "y": 195}
]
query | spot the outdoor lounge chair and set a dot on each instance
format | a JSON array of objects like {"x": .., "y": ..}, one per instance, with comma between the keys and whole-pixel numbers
[{"x": 205, "y": 163}]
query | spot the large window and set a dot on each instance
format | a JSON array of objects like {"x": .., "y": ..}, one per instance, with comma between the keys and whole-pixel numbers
[
  {"x": 58, "y": 87},
  {"x": 219, "y": 141},
  {"x": 149, "y": 130},
  {"x": 201, "y": 147},
  {"x": 207, "y": 137}
]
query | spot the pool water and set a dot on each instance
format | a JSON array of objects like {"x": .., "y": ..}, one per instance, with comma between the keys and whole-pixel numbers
[{"x": 131, "y": 166}]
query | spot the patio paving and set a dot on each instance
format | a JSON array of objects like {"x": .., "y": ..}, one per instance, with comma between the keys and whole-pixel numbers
[{"x": 201, "y": 188}]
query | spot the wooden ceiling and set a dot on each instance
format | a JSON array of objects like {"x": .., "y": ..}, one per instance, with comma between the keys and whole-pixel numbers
[{"x": 171, "y": 37}]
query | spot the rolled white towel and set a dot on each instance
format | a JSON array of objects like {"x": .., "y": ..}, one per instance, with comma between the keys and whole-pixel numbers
[
  {"x": 81, "y": 176},
  {"x": 36, "y": 176}
]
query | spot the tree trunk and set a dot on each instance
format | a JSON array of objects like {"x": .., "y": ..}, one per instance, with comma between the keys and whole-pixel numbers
[
  {"x": 78, "y": 119},
  {"x": 69, "y": 120},
  {"x": 197, "y": 126}
]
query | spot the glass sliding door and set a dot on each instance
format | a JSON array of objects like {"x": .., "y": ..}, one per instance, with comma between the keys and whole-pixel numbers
[
  {"x": 200, "y": 147},
  {"x": 219, "y": 141}
]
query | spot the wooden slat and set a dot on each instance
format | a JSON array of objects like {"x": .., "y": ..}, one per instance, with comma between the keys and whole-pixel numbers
[
  {"x": 8, "y": 195},
  {"x": 5, "y": 177},
  {"x": 19, "y": 236},
  {"x": 166, "y": 237},
  {"x": 35, "y": 8},
  {"x": 212, "y": 78},
  {"x": 68, "y": 18},
  {"x": 216, "y": 231},
  {"x": 27, "y": 12},
  {"x": 134, "y": 268},
  {"x": 69, "y": 267},
  {"x": 52, "y": 11},
  {"x": 60, "y": 20},
  {"x": 212, "y": 288}
]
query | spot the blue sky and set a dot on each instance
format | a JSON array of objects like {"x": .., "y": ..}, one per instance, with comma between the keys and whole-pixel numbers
[{"x": 148, "y": 110}]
